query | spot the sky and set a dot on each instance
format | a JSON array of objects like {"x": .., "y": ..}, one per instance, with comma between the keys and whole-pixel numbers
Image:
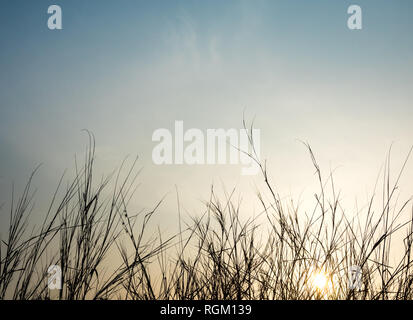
[{"x": 123, "y": 69}]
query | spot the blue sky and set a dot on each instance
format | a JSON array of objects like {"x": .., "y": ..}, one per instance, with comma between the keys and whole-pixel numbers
[{"x": 122, "y": 69}]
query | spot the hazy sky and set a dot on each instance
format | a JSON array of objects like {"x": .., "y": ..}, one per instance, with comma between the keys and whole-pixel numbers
[{"x": 123, "y": 69}]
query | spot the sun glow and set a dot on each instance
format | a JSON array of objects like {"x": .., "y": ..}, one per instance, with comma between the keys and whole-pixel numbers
[
  {"x": 320, "y": 280},
  {"x": 322, "y": 283}
]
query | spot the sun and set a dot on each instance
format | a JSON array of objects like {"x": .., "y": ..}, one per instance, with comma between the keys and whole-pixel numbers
[
  {"x": 320, "y": 280},
  {"x": 322, "y": 283}
]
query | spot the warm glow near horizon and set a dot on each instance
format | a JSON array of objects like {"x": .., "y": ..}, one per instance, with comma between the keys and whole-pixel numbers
[{"x": 320, "y": 281}]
